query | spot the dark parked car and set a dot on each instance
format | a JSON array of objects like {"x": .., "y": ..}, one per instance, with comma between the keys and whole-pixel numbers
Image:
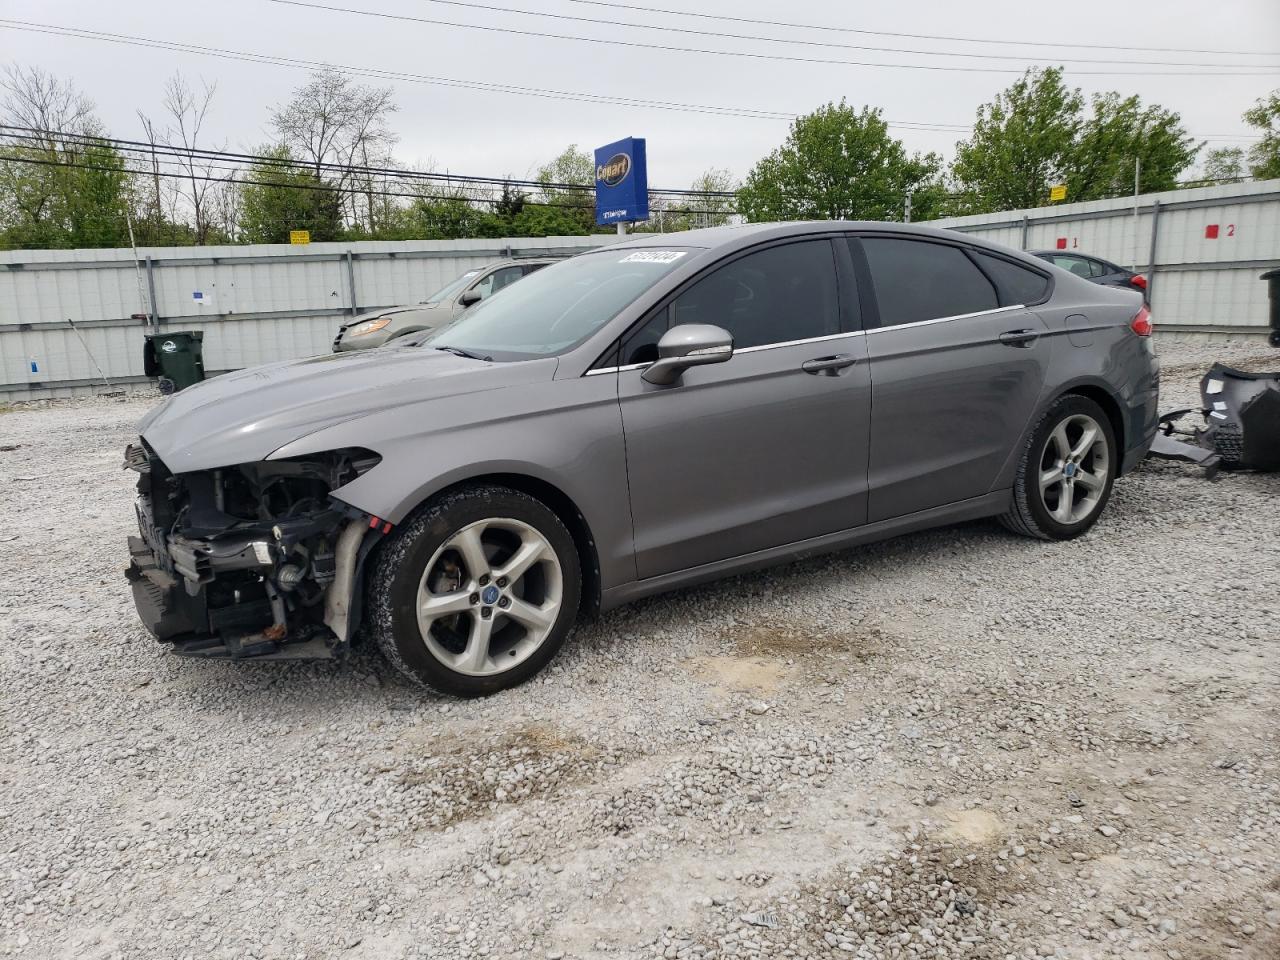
[
  {"x": 1095, "y": 269},
  {"x": 376, "y": 327},
  {"x": 658, "y": 413}
]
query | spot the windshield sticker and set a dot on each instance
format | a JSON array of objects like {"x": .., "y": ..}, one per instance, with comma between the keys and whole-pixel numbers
[{"x": 653, "y": 256}]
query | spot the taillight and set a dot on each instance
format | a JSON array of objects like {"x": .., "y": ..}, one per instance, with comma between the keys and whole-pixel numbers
[
  {"x": 1141, "y": 323},
  {"x": 1139, "y": 281}
]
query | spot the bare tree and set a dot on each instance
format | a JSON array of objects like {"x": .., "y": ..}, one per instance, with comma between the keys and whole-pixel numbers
[
  {"x": 333, "y": 122},
  {"x": 38, "y": 172},
  {"x": 163, "y": 201},
  {"x": 188, "y": 109},
  {"x": 45, "y": 105}
]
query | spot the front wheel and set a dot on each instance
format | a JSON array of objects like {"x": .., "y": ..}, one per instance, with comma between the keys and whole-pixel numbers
[
  {"x": 476, "y": 592},
  {"x": 1066, "y": 473}
]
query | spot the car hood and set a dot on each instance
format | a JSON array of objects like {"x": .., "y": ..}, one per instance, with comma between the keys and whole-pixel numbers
[
  {"x": 243, "y": 417},
  {"x": 426, "y": 308}
]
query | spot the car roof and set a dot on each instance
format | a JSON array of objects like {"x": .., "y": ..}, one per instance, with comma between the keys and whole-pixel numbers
[{"x": 728, "y": 238}]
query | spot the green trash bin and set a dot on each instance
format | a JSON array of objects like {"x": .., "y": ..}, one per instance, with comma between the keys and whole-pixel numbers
[{"x": 175, "y": 358}]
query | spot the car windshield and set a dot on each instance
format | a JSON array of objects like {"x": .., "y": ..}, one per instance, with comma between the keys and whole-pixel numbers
[
  {"x": 555, "y": 309},
  {"x": 445, "y": 292}
]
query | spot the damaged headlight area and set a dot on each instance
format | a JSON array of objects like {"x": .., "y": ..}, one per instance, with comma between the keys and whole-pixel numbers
[{"x": 254, "y": 560}]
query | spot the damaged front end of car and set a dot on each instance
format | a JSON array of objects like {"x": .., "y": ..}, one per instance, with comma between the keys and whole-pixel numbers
[{"x": 254, "y": 560}]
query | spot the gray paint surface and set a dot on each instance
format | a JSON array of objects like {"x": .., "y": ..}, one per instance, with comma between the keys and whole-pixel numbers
[{"x": 735, "y": 464}]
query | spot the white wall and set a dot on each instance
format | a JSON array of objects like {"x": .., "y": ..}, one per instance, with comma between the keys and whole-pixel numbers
[
  {"x": 258, "y": 303},
  {"x": 1199, "y": 283}
]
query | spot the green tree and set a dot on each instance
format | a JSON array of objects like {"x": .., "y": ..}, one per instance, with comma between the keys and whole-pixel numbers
[
  {"x": 1264, "y": 156},
  {"x": 1224, "y": 165},
  {"x": 1022, "y": 142},
  {"x": 60, "y": 187},
  {"x": 691, "y": 213},
  {"x": 1037, "y": 133},
  {"x": 1121, "y": 137},
  {"x": 283, "y": 196},
  {"x": 575, "y": 168},
  {"x": 836, "y": 163},
  {"x": 539, "y": 220},
  {"x": 452, "y": 218}
]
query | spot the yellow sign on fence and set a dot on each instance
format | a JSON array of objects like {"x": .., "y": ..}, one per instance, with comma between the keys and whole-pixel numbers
[
  {"x": 302, "y": 236},
  {"x": 1058, "y": 192}
]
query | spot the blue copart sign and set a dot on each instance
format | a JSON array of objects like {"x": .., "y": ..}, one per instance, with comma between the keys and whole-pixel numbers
[{"x": 622, "y": 182}]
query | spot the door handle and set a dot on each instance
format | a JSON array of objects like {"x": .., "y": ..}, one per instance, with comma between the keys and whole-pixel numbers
[
  {"x": 1019, "y": 338},
  {"x": 829, "y": 365}
]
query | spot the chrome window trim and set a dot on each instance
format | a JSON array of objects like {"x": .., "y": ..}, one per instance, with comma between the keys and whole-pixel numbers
[
  {"x": 763, "y": 346},
  {"x": 793, "y": 343},
  {"x": 629, "y": 366},
  {"x": 958, "y": 316},
  {"x": 831, "y": 336}
]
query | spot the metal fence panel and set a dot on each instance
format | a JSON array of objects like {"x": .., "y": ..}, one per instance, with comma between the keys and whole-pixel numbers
[
  {"x": 1210, "y": 245},
  {"x": 255, "y": 303}
]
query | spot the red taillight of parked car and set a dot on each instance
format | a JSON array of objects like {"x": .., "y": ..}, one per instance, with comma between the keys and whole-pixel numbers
[
  {"x": 1139, "y": 281},
  {"x": 1141, "y": 323}
]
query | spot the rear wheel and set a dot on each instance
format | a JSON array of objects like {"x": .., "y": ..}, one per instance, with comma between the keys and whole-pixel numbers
[
  {"x": 1067, "y": 470},
  {"x": 477, "y": 592}
]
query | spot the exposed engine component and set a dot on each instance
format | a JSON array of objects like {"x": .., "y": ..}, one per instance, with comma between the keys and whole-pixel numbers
[
  {"x": 237, "y": 561},
  {"x": 1242, "y": 424}
]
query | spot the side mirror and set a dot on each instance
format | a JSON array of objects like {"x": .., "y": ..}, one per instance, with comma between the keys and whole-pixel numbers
[
  {"x": 468, "y": 297},
  {"x": 688, "y": 345}
]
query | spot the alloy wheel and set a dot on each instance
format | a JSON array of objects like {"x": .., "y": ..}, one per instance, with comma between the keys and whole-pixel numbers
[
  {"x": 490, "y": 596},
  {"x": 1074, "y": 466}
]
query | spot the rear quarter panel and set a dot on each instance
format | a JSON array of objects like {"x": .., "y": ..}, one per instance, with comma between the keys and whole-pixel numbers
[{"x": 1094, "y": 348}]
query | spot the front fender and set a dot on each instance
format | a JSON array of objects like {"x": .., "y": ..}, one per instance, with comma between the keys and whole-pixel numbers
[{"x": 566, "y": 433}]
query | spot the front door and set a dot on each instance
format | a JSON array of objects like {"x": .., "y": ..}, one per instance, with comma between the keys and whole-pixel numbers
[
  {"x": 758, "y": 451},
  {"x": 956, "y": 376}
]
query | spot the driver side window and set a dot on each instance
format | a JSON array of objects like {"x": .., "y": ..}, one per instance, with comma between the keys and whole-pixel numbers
[{"x": 777, "y": 295}]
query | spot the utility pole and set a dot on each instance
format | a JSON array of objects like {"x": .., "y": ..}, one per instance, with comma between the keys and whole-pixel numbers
[
  {"x": 1137, "y": 179},
  {"x": 906, "y": 211}
]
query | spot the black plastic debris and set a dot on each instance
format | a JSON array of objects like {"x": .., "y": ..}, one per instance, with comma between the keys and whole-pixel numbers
[{"x": 1241, "y": 424}]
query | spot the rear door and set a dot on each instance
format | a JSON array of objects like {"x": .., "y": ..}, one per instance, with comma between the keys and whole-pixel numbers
[
  {"x": 956, "y": 367},
  {"x": 758, "y": 451}
]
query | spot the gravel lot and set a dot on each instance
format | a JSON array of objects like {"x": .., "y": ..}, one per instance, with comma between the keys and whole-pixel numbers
[{"x": 954, "y": 744}]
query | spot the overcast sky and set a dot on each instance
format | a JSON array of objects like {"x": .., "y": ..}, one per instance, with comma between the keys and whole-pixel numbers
[{"x": 479, "y": 132}]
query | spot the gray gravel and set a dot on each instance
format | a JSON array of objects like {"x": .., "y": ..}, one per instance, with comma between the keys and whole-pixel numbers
[{"x": 955, "y": 744}]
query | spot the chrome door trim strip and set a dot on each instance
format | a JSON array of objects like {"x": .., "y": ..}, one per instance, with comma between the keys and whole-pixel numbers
[
  {"x": 763, "y": 346},
  {"x": 958, "y": 316},
  {"x": 832, "y": 336},
  {"x": 794, "y": 343}
]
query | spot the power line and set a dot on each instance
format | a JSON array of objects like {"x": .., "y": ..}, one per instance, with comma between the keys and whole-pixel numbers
[
  {"x": 702, "y": 51},
  {"x": 147, "y": 150},
  {"x": 378, "y": 73},
  {"x": 381, "y": 74},
  {"x": 353, "y": 190},
  {"x": 917, "y": 36},
  {"x": 719, "y": 34},
  {"x": 221, "y": 53}
]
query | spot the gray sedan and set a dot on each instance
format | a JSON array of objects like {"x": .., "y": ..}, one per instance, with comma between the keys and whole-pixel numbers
[
  {"x": 376, "y": 327},
  {"x": 654, "y": 414}
]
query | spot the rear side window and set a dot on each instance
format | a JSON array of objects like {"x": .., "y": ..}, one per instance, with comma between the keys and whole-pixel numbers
[
  {"x": 1016, "y": 284},
  {"x": 916, "y": 280}
]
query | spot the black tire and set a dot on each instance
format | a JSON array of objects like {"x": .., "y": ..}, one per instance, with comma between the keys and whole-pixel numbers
[
  {"x": 401, "y": 564},
  {"x": 1029, "y": 515}
]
